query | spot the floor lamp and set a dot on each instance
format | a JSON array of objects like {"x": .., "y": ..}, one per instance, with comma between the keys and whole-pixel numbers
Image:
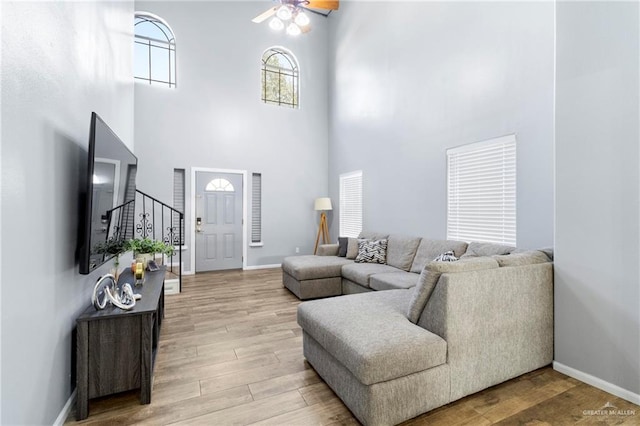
[{"x": 322, "y": 205}]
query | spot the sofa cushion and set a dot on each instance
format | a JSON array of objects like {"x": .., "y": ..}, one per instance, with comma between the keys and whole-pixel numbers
[
  {"x": 372, "y": 251},
  {"x": 359, "y": 273},
  {"x": 370, "y": 335},
  {"x": 314, "y": 267},
  {"x": 530, "y": 257},
  {"x": 476, "y": 249},
  {"x": 328, "y": 250},
  {"x": 401, "y": 250},
  {"x": 393, "y": 280},
  {"x": 430, "y": 249},
  {"x": 342, "y": 246},
  {"x": 368, "y": 235},
  {"x": 352, "y": 248},
  {"x": 431, "y": 274}
]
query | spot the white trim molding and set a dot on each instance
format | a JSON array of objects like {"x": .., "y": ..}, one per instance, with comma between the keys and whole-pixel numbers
[
  {"x": 66, "y": 410},
  {"x": 597, "y": 382},
  {"x": 255, "y": 267},
  {"x": 192, "y": 202}
]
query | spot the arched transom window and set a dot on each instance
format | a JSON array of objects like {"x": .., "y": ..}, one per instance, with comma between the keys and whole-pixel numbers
[
  {"x": 154, "y": 58},
  {"x": 220, "y": 184},
  {"x": 280, "y": 79}
]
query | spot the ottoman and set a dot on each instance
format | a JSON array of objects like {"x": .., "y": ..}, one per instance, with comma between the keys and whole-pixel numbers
[{"x": 312, "y": 277}]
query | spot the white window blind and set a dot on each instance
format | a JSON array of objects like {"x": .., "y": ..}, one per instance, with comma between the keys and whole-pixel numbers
[
  {"x": 178, "y": 203},
  {"x": 481, "y": 191},
  {"x": 256, "y": 208},
  {"x": 351, "y": 204}
]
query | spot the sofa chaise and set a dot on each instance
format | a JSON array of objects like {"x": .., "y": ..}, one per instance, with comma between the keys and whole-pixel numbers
[{"x": 392, "y": 355}]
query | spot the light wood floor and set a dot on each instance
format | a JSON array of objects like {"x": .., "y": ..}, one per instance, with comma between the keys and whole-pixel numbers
[{"x": 231, "y": 353}]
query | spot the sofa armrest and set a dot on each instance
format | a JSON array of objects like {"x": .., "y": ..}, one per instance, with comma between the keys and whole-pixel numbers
[
  {"x": 328, "y": 249},
  {"x": 498, "y": 323}
]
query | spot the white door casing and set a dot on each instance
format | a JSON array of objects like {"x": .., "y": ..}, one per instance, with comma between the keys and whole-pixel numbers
[
  {"x": 218, "y": 221},
  {"x": 193, "y": 206}
]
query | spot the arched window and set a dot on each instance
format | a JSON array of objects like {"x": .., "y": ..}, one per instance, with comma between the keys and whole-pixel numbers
[
  {"x": 280, "y": 79},
  {"x": 154, "y": 57},
  {"x": 220, "y": 184}
]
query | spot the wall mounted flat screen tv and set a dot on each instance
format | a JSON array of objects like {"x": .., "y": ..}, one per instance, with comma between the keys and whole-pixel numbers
[{"x": 110, "y": 197}]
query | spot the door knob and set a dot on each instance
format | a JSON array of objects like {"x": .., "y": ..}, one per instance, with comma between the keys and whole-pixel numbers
[{"x": 198, "y": 224}]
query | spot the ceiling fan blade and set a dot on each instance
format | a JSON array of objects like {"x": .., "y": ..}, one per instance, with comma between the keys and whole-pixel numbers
[
  {"x": 324, "y": 4},
  {"x": 265, "y": 15}
]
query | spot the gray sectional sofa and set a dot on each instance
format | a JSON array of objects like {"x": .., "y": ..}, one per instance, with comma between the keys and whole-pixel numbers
[
  {"x": 312, "y": 277},
  {"x": 463, "y": 326}
]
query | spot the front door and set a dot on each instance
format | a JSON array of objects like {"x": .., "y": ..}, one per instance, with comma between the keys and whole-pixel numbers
[{"x": 218, "y": 221}]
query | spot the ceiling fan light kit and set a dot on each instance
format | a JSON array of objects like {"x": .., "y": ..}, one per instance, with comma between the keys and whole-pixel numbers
[
  {"x": 292, "y": 10},
  {"x": 284, "y": 12},
  {"x": 301, "y": 20},
  {"x": 293, "y": 29},
  {"x": 276, "y": 24}
]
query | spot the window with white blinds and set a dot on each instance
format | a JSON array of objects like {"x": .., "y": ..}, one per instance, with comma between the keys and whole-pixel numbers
[
  {"x": 256, "y": 208},
  {"x": 351, "y": 204},
  {"x": 481, "y": 191},
  {"x": 178, "y": 203}
]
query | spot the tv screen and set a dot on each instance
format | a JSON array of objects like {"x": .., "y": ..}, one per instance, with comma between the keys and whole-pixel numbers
[{"x": 110, "y": 196}]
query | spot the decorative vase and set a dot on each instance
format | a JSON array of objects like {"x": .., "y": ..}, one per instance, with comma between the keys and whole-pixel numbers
[
  {"x": 144, "y": 258},
  {"x": 115, "y": 269}
]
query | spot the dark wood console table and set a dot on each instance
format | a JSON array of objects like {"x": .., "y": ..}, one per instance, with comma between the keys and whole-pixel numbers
[{"x": 116, "y": 348}]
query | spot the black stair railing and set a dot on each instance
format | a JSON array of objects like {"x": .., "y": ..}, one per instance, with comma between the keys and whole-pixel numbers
[{"x": 159, "y": 221}]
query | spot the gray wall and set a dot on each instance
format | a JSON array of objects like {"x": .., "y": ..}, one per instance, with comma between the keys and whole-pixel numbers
[
  {"x": 597, "y": 296},
  {"x": 410, "y": 80},
  {"x": 60, "y": 61},
  {"x": 215, "y": 118}
]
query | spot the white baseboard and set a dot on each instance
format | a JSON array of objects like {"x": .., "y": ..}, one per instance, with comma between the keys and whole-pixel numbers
[
  {"x": 66, "y": 410},
  {"x": 254, "y": 267},
  {"x": 598, "y": 383},
  {"x": 171, "y": 287},
  {"x": 175, "y": 265}
]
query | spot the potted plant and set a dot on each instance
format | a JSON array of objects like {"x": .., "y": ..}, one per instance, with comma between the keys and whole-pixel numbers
[
  {"x": 112, "y": 247},
  {"x": 145, "y": 249}
]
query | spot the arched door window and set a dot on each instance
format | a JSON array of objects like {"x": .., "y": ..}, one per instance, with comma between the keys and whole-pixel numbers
[
  {"x": 280, "y": 78},
  {"x": 220, "y": 184},
  {"x": 154, "y": 50}
]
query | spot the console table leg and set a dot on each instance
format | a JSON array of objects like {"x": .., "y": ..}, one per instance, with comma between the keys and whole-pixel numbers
[
  {"x": 146, "y": 354},
  {"x": 82, "y": 371}
]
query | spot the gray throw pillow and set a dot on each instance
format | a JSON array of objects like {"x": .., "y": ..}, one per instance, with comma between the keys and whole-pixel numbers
[
  {"x": 342, "y": 246},
  {"x": 372, "y": 251},
  {"x": 431, "y": 274},
  {"x": 352, "y": 248}
]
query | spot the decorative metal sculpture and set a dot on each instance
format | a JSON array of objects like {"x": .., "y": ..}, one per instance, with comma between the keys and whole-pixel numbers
[{"x": 105, "y": 292}]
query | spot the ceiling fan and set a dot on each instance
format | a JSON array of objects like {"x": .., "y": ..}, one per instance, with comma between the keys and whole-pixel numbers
[{"x": 291, "y": 14}]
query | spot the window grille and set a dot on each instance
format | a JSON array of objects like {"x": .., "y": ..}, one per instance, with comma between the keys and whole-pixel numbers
[
  {"x": 256, "y": 208},
  {"x": 351, "y": 204},
  {"x": 178, "y": 202},
  {"x": 154, "y": 51},
  {"x": 481, "y": 191},
  {"x": 280, "y": 78}
]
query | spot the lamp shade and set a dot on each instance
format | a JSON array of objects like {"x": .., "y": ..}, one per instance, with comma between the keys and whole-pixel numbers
[{"x": 323, "y": 204}]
